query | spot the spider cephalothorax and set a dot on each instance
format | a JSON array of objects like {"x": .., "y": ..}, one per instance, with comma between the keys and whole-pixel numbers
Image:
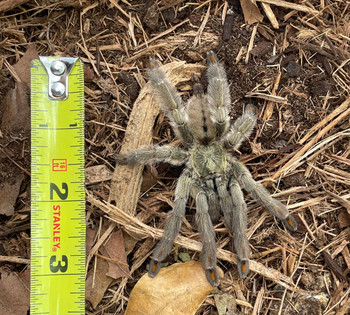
[{"x": 211, "y": 175}]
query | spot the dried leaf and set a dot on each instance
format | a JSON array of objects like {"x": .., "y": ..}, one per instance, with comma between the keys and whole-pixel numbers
[
  {"x": 90, "y": 235},
  {"x": 97, "y": 282},
  {"x": 261, "y": 48},
  {"x": 344, "y": 219},
  {"x": 115, "y": 249},
  {"x": 251, "y": 12},
  {"x": 96, "y": 174},
  {"x": 225, "y": 303},
  {"x": 14, "y": 292},
  {"x": 8, "y": 194},
  {"x": 16, "y": 109},
  {"x": 22, "y": 67},
  {"x": 179, "y": 289},
  {"x": 129, "y": 242}
]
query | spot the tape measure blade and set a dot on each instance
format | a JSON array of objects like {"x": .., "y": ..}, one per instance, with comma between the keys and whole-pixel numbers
[{"x": 58, "y": 195}]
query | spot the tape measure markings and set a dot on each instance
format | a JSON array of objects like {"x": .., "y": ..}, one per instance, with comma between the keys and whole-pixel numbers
[{"x": 58, "y": 204}]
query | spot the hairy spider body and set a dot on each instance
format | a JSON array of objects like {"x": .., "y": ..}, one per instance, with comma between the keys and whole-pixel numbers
[
  {"x": 206, "y": 160},
  {"x": 211, "y": 175}
]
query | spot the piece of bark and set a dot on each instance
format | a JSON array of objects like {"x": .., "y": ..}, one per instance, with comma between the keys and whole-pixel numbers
[
  {"x": 126, "y": 181},
  {"x": 228, "y": 24},
  {"x": 333, "y": 266}
]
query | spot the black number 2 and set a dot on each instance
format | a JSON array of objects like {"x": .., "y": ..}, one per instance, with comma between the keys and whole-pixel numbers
[
  {"x": 61, "y": 195},
  {"x": 58, "y": 266}
]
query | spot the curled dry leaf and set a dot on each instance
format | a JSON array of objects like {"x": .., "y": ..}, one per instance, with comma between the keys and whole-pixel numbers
[
  {"x": 251, "y": 11},
  {"x": 179, "y": 289}
]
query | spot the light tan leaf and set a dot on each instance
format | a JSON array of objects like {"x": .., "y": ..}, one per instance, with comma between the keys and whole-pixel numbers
[
  {"x": 251, "y": 12},
  {"x": 179, "y": 289}
]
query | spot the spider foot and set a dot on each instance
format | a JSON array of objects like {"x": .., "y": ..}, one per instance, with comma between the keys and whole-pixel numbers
[
  {"x": 212, "y": 57},
  {"x": 212, "y": 276},
  {"x": 154, "y": 267},
  {"x": 250, "y": 109},
  {"x": 153, "y": 64},
  {"x": 121, "y": 159},
  {"x": 290, "y": 223},
  {"x": 243, "y": 268}
]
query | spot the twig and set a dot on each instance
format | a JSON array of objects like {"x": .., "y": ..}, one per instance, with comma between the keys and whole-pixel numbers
[
  {"x": 268, "y": 97},
  {"x": 16, "y": 260},
  {"x": 325, "y": 120},
  {"x": 313, "y": 48},
  {"x": 270, "y": 105},
  {"x": 270, "y": 15},
  {"x": 290, "y": 5},
  {"x": 201, "y": 28},
  {"x": 305, "y": 148},
  {"x": 115, "y": 261},
  {"x": 14, "y": 162},
  {"x": 15, "y": 229},
  {"x": 169, "y": 30},
  {"x": 251, "y": 42}
]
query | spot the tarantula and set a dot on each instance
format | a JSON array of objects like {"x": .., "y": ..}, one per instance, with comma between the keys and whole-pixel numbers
[{"x": 211, "y": 176}]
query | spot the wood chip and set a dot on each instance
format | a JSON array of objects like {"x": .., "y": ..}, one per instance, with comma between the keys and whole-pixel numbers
[{"x": 268, "y": 97}]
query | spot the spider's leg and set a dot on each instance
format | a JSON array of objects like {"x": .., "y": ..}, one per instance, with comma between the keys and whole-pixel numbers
[
  {"x": 225, "y": 200},
  {"x": 239, "y": 227},
  {"x": 241, "y": 128},
  {"x": 207, "y": 233},
  {"x": 234, "y": 209},
  {"x": 260, "y": 194},
  {"x": 173, "y": 223},
  {"x": 154, "y": 154},
  {"x": 218, "y": 94},
  {"x": 170, "y": 100},
  {"x": 213, "y": 201}
]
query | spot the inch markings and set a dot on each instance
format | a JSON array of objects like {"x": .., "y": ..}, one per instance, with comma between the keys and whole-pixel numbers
[{"x": 58, "y": 194}]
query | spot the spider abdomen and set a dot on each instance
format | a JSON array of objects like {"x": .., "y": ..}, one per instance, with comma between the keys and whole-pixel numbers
[{"x": 208, "y": 160}]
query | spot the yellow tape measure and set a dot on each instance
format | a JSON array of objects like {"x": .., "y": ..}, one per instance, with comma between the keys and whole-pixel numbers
[{"x": 57, "y": 187}]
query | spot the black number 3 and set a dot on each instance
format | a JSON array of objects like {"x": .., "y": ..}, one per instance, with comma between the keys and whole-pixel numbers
[{"x": 58, "y": 266}]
